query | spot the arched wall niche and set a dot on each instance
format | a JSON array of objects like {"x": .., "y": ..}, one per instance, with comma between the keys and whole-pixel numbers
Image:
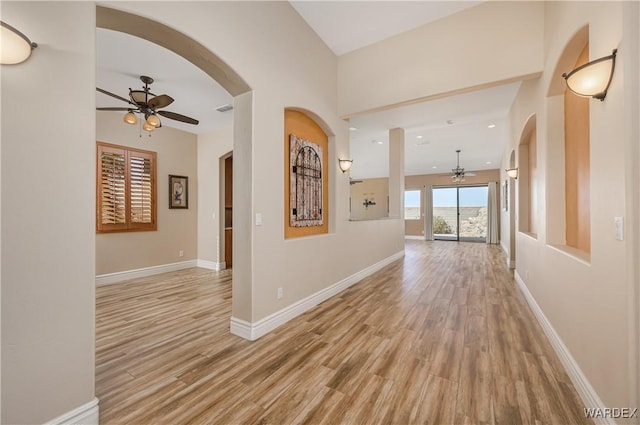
[
  {"x": 315, "y": 117},
  {"x": 512, "y": 159},
  {"x": 528, "y": 178},
  {"x": 566, "y": 61},
  {"x": 307, "y": 125},
  {"x": 565, "y": 214},
  {"x": 175, "y": 41},
  {"x": 332, "y": 155}
]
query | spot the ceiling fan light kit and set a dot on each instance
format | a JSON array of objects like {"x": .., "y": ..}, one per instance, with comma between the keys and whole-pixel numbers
[
  {"x": 458, "y": 173},
  {"x": 130, "y": 118},
  {"x": 146, "y": 104},
  {"x": 153, "y": 120}
]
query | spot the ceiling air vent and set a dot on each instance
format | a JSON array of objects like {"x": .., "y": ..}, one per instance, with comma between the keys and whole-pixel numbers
[{"x": 224, "y": 108}]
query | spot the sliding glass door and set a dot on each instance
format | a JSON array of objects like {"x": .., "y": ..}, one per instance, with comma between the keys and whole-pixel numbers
[
  {"x": 445, "y": 213},
  {"x": 460, "y": 213}
]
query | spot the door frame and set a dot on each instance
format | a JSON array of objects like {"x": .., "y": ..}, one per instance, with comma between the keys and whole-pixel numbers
[{"x": 457, "y": 237}]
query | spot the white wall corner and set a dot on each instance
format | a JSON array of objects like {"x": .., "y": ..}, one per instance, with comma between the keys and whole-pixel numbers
[
  {"x": 211, "y": 265},
  {"x": 106, "y": 279},
  {"x": 255, "y": 330},
  {"x": 87, "y": 414},
  {"x": 586, "y": 392}
]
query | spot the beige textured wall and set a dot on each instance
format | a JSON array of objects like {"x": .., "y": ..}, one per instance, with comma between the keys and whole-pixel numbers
[
  {"x": 581, "y": 295},
  {"x": 416, "y": 227},
  {"x": 48, "y": 209},
  {"x": 176, "y": 153}
]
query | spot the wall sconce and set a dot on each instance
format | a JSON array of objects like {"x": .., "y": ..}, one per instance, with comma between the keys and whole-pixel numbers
[
  {"x": 345, "y": 164},
  {"x": 592, "y": 79},
  {"x": 15, "y": 46},
  {"x": 512, "y": 172}
]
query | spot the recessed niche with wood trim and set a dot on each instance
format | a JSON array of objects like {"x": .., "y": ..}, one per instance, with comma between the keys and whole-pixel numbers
[
  {"x": 528, "y": 179},
  {"x": 577, "y": 166},
  {"x": 306, "y": 200}
]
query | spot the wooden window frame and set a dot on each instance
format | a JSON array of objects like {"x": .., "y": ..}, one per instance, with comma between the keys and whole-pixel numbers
[{"x": 128, "y": 225}]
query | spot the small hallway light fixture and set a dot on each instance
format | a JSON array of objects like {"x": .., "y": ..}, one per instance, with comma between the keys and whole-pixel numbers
[
  {"x": 512, "y": 172},
  {"x": 592, "y": 79},
  {"x": 15, "y": 47},
  {"x": 345, "y": 164}
]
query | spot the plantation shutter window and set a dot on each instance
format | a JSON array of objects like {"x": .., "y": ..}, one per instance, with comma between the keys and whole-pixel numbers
[{"x": 126, "y": 193}]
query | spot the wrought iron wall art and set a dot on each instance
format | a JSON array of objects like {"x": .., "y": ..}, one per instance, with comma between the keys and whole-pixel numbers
[
  {"x": 306, "y": 182},
  {"x": 368, "y": 202}
]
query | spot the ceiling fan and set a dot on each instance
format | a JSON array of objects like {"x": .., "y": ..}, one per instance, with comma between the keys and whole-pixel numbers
[
  {"x": 146, "y": 104},
  {"x": 458, "y": 173}
]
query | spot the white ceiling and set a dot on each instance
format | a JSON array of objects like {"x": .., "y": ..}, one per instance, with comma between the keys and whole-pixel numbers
[
  {"x": 344, "y": 26},
  {"x": 349, "y": 25},
  {"x": 434, "y": 130}
]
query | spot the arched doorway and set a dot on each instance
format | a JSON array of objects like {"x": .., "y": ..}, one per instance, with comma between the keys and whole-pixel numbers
[{"x": 223, "y": 74}]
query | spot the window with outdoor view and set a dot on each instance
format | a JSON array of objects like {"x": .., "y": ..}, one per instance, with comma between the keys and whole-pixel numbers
[
  {"x": 412, "y": 204},
  {"x": 125, "y": 189}
]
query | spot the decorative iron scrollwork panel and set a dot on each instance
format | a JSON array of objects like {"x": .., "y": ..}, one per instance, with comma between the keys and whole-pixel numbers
[{"x": 306, "y": 183}]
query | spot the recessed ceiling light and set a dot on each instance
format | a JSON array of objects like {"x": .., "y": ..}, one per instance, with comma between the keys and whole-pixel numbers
[
  {"x": 488, "y": 162},
  {"x": 434, "y": 167},
  {"x": 418, "y": 137},
  {"x": 377, "y": 142},
  {"x": 491, "y": 126},
  {"x": 352, "y": 128}
]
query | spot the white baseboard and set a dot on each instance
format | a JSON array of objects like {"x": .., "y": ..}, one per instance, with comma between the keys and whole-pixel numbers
[
  {"x": 211, "y": 265},
  {"x": 87, "y": 414},
  {"x": 504, "y": 247},
  {"x": 242, "y": 328},
  {"x": 586, "y": 392},
  {"x": 105, "y": 279},
  {"x": 255, "y": 330},
  {"x": 414, "y": 237}
]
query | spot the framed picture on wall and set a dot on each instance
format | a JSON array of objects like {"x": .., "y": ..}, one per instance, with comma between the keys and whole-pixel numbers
[{"x": 178, "y": 192}]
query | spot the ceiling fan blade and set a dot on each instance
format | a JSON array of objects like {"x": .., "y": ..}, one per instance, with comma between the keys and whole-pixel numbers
[
  {"x": 178, "y": 117},
  {"x": 108, "y": 93},
  {"x": 115, "y": 108},
  {"x": 161, "y": 101}
]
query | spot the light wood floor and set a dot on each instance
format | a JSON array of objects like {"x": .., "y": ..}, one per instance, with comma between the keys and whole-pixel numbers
[{"x": 440, "y": 337}]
